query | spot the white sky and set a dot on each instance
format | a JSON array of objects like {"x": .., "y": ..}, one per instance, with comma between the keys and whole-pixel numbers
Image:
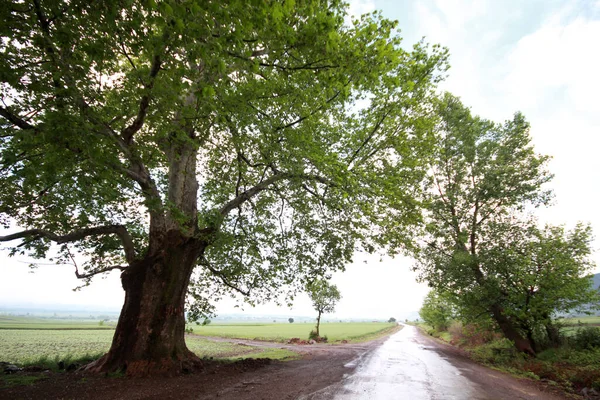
[{"x": 538, "y": 57}]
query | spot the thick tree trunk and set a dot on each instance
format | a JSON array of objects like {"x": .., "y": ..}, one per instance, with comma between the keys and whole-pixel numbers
[
  {"x": 149, "y": 338},
  {"x": 511, "y": 332}
]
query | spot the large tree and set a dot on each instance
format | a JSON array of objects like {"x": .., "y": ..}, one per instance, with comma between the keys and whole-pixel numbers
[
  {"x": 478, "y": 245},
  {"x": 240, "y": 146}
]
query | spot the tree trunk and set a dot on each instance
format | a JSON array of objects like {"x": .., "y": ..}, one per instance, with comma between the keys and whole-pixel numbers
[
  {"x": 531, "y": 339},
  {"x": 318, "y": 323},
  {"x": 553, "y": 334},
  {"x": 149, "y": 338},
  {"x": 510, "y": 332}
]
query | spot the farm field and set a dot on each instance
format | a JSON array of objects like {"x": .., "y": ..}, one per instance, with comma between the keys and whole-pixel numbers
[
  {"x": 583, "y": 320},
  {"x": 31, "y": 345},
  {"x": 351, "y": 331},
  {"x": 10, "y": 322}
]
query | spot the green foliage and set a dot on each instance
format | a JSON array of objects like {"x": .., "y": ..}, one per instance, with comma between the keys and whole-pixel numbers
[
  {"x": 291, "y": 320},
  {"x": 392, "y": 320},
  {"x": 587, "y": 338},
  {"x": 479, "y": 248},
  {"x": 280, "y": 137},
  {"x": 324, "y": 297},
  {"x": 313, "y": 335},
  {"x": 437, "y": 310}
]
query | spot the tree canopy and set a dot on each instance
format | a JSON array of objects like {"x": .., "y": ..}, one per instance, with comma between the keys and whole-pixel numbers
[
  {"x": 480, "y": 246},
  {"x": 262, "y": 142},
  {"x": 324, "y": 297}
]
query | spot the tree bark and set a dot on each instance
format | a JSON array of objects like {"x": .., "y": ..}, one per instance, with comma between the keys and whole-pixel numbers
[
  {"x": 318, "y": 323},
  {"x": 510, "y": 331},
  {"x": 149, "y": 338}
]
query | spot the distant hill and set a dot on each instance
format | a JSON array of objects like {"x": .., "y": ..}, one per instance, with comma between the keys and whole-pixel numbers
[{"x": 596, "y": 279}]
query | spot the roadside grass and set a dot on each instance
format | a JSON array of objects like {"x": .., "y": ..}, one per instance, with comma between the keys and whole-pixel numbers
[
  {"x": 335, "y": 332},
  {"x": 570, "y": 366},
  {"x": 7, "y": 381}
]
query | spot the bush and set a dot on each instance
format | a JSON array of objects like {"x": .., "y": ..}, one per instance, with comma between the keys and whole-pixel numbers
[
  {"x": 313, "y": 335},
  {"x": 477, "y": 334},
  {"x": 456, "y": 332},
  {"x": 587, "y": 338}
]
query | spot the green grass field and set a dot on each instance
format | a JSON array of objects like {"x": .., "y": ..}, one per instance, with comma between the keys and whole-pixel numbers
[
  {"x": 582, "y": 320},
  {"x": 354, "y": 332},
  {"x": 10, "y": 322},
  {"x": 26, "y": 341},
  {"x": 31, "y": 345}
]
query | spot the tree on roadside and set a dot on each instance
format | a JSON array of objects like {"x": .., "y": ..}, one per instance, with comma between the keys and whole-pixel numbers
[
  {"x": 205, "y": 149},
  {"x": 478, "y": 247},
  {"x": 437, "y": 310},
  {"x": 324, "y": 297},
  {"x": 392, "y": 320}
]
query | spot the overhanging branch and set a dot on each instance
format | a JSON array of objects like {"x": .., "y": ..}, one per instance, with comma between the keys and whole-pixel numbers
[
  {"x": 223, "y": 278},
  {"x": 118, "y": 230}
]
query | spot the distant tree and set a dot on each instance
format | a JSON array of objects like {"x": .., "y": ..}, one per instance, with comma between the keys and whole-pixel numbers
[
  {"x": 437, "y": 310},
  {"x": 206, "y": 322},
  {"x": 291, "y": 320},
  {"x": 324, "y": 297},
  {"x": 477, "y": 245},
  {"x": 392, "y": 320}
]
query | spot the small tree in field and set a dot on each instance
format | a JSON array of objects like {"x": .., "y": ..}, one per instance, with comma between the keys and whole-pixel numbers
[
  {"x": 392, "y": 320},
  {"x": 324, "y": 297},
  {"x": 291, "y": 320}
]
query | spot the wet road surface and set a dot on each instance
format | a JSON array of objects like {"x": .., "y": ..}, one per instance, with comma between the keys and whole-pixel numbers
[
  {"x": 403, "y": 368},
  {"x": 411, "y": 366}
]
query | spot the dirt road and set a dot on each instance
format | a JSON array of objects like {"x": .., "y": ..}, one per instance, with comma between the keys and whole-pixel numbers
[
  {"x": 407, "y": 365},
  {"x": 411, "y": 366}
]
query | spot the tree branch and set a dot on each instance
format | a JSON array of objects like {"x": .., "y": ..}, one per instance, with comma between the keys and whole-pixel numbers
[
  {"x": 15, "y": 120},
  {"x": 118, "y": 230},
  {"x": 223, "y": 278},
  {"x": 136, "y": 125},
  {"x": 248, "y": 194}
]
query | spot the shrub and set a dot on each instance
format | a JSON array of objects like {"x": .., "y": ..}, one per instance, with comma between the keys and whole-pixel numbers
[
  {"x": 313, "y": 335},
  {"x": 587, "y": 338},
  {"x": 478, "y": 334},
  {"x": 456, "y": 332}
]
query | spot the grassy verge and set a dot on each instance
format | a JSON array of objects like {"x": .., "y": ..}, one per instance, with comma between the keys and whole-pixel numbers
[{"x": 570, "y": 367}]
